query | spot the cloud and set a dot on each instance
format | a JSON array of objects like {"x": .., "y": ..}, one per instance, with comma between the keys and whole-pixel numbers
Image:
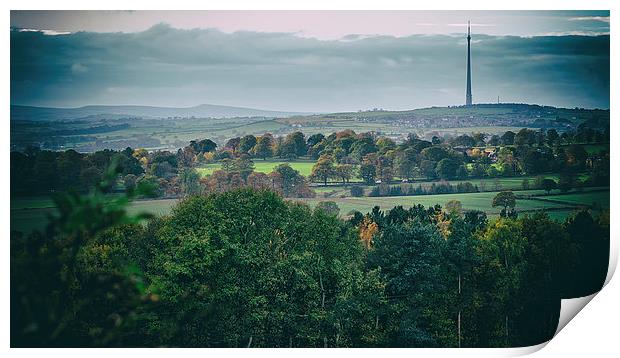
[
  {"x": 590, "y": 18},
  {"x": 572, "y": 33},
  {"x": 473, "y": 25},
  {"x": 46, "y": 32},
  {"x": 78, "y": 68},
  {"x": 168, "y": 66}
]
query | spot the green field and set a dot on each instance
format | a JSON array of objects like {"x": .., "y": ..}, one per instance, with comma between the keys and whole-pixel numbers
[
  {"x": 264, "y": 166},
  {"x": 565, "y": 204},
  {"x": 31, "y": 213},
  {"x": 600, "y": 198},
  {"x": 485, "y": 184},
  {"x": 470, "y": 201},
  {"x": 596, "y": 148}
]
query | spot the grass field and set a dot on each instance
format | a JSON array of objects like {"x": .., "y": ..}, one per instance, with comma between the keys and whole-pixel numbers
[
  {"x": 31, "y": 213},
  {"x": 264, "y": 166},
  {"x": 600, "y": 198},
  {"x": 560, "y": 205},
  {"x": 470, "y": 201},
  {"x": 596, "y": 148},
  {"x": 485, "y": 184}
]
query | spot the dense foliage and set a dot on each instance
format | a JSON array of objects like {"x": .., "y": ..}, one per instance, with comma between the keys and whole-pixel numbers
[
  {"x": 339, "y": 158},
  {"x": 245, "y": 268}
]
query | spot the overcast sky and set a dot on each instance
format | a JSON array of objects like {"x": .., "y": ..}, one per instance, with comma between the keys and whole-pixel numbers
[{"x": 308, "y": 61}]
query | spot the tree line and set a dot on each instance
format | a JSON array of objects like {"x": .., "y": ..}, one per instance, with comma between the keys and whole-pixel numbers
[{"x": 340, "y": 157}]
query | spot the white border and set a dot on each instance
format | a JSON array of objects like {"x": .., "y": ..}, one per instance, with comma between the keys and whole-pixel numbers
[{"x": 594, "y": 329}]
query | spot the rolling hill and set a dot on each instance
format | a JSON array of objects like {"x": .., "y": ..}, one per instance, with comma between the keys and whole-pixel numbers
[{"x": 30, "y": 113}]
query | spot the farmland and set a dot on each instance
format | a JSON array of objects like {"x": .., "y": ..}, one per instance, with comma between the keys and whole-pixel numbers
[
  {"x": 264, "y": 166},
  {"x": 475, "y": 201},
  {"x": 304, "y": 167},
  {"x": 117, "y": 131},
  {"x": 32, "y": 213}
]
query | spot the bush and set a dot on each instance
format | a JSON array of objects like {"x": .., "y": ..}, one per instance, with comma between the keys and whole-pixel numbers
[
  {"x": 328, "y": 207},
  {"x": 357, "y": 191},
  {"x": 410, "y": 189}
]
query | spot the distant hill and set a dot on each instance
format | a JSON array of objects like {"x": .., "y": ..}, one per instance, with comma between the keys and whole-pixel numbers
[
  {"x": 30, "y": 113},
  {"x": 484, "y": 114}
]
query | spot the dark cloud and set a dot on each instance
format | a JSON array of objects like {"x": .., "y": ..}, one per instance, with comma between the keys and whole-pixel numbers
[{"x": 167, "y": 66}]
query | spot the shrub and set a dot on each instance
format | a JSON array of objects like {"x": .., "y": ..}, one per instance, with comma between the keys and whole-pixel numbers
[{"x": 357, "y": 191}]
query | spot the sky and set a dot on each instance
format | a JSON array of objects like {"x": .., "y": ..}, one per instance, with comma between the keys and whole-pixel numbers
[{"x": 310, "y": 61}]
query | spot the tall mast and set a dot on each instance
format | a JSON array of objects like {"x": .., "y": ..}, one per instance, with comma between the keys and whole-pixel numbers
[{"x": 468, "y": 100}]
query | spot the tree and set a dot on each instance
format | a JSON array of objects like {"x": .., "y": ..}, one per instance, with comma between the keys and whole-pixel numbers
[
  {"x": 233, "y": 144},
  {"x": 384, "y": 169},
  {"x": 362, "y": 147},
  {"x": 549, "y": 258},
  {"x": 454, "y": 207},
  {"x": 591, "y": 238},
  {"x": 525, "y": 184},
  {"x": 293, "y": 146},
  {"x": 446, "y": 168},
  {"x": 506, "y": 200},
  {"x": 162, "y": 170},
  {"x": 410, "y": 258},
  {"x": 89, "y": 177},
  {"x": 367, "y": 173},
  {"x": 476, "y": 219},
  {"x": 464, "y": 141},
  {"x": 278, "y": 274},
  {"x": 384, "y": 144},
  {"x": 525, "y": 137},
  {"x": 259, "y": 181},
  {"x": 357, "y": 191},
  {"x": 315, "y": 139},
  {"x": 500, "y": 274},
  {"x": 187, "y": 156},
  {"x": 427, "y": 167},
  {"x": 548, "y": 184},
  {"x": 575, "y": 157},
  {"x": 190, "y": 181},
  {"x": 552, "y": 137},
  {"x": 247, "y": 143},
  {"x": 567, "y": 180},
  {"x": 461, "y": 258},
  {"x": 289, "y": 177},
  {"x": 329, "y": 207},
  {"x": 57, "y": 301},
  {"x": 203, "y": 146},
  {"x": 461, "y": 172},
  {"x": 242, "y": 165},
  {"x": 344, "y": 172},
  {"x": 405, "y": 163},
  {"x": 264, "y": 147},
  {"x": 323, "y": 170},
  {"x": 435, "y": 153},
  {"x": 494, "y": 140},
  {"x": 479, "y": 138},
  {"x": 508, "y": 138}
]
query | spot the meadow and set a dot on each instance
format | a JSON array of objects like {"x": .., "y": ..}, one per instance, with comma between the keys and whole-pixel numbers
[
  {"x": 264, "y": 166},
  {"x": 29, "y": 214},
  {"x": 527, "y": 200},
  {"x": 484, "y": 184}
]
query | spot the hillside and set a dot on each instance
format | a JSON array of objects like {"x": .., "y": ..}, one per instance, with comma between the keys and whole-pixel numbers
[
  {"x": 88, "y": 129},
  {"x": 30, "y": 113},
  {"x": 500, "y": 114}
]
